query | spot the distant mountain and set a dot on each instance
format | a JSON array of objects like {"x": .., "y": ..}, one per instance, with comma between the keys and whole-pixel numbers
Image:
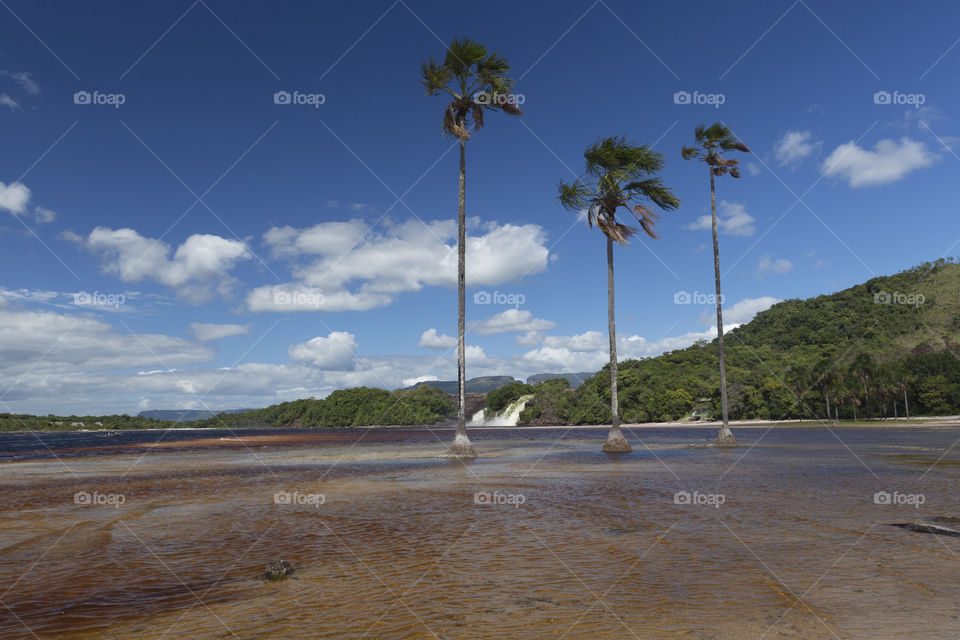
[
  {"x": 481, "y": 384},
  {"x": 575, "y": 379},
  {"x": 184, "y": 415}
]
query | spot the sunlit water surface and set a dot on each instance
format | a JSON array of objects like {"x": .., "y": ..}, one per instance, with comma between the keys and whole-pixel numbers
[{"x": 581, "y": 545}]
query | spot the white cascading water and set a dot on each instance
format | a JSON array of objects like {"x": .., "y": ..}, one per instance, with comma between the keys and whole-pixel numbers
[{"x": 506, "y": 418}]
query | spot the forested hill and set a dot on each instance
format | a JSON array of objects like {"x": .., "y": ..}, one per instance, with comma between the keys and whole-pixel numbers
[
  {"x": 888, "y": 316},
  {"x": 856, "y": 350}
]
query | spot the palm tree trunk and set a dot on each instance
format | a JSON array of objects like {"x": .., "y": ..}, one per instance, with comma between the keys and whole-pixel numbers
[
  {"x": 615, "y": 443},
  {"x": 461, "y": 446},
  {"x": 724, "y": 436},
  {"x": 866, "y": 399}
]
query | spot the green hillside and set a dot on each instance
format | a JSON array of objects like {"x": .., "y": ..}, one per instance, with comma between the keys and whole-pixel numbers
[
  {"x": 356, "y": 407},
  {"x": 855, "y": 351}
]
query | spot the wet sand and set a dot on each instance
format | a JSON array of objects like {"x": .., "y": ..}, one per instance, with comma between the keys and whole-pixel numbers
[{"x": 786, "y": 541}]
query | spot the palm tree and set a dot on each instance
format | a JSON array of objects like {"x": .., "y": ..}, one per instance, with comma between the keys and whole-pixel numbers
[
  {"x": 475, "y": 80},
  {"x": 618, "y": 174},
  {"x": 711, "y": 143}
]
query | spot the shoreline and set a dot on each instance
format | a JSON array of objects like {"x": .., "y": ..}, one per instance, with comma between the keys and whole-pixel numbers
[{"x": 919, "y": 421}]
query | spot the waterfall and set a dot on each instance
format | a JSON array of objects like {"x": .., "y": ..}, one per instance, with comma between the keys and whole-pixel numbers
[{"x": 506, "y": 418}]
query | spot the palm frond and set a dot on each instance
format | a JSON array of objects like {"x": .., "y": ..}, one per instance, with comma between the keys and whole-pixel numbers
[
  {"x": 462, "y": 54},
  {"x": 619, "y": 233},
  {"x": 435, "y": 76},
  {"x": 574, "y": 196}
]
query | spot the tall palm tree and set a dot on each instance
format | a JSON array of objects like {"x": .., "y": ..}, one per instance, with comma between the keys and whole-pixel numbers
[
  {"x": 711, "y": 143},
  {"x": 619, "y": 173},
  {"x": 475, "y": 80}
]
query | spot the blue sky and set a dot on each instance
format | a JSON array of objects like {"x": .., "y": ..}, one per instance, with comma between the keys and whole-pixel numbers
[{"x": 181, "y": 240}]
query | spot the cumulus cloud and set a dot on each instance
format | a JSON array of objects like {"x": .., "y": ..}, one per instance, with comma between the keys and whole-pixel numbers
[
  {"x": 732, "y": 219},
  {"x": 199, "y": 266},
  {"x": 355, "y": 267},
  {"x": 794, "y": 146},
  {"x": 335, "y": 352},
  {"x": 206, "y": 332},
  {"x": 412, "y": 382},
  {"x": 7, "y": 101},
  {"x": 768, "y": 265},
  {"x": 14, "y": 197},
  {"x": 49, "y": 343},
  {"x": 509, "y": 321},
  {"x": 590, "y": 350},
  {"x": 888, "y": 162},
  {"x": 430, "y": 339},
  {"x": 298, "y": 297},
  {"x": 741, "y": 312}
]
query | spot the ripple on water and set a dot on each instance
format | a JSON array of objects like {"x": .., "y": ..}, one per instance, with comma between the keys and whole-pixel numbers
[{"x": 399, "y": 548}]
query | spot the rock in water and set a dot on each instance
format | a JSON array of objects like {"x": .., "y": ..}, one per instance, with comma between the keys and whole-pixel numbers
[
  {"x": 923, "y": 527},
  {"x": 947, "y": 519},
  {"x": 278, "y": 570}
]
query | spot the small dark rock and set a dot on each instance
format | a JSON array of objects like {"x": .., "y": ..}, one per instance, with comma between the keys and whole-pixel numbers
[
  {"x": 922, "y": 527},
  {"x": 278, "y": 570}
]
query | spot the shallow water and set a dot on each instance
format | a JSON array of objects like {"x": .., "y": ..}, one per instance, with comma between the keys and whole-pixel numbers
[{"x": 576, "y": 545}]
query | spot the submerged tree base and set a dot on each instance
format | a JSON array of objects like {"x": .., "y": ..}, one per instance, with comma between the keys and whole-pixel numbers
[
  {"x": 725, "y": 439},
  {"x": 616, "y": 443},
  {"x": 462, "y": 447}
]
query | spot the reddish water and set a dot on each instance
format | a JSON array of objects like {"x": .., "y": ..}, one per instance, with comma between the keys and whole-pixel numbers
[{"x": 597, "y": 548}]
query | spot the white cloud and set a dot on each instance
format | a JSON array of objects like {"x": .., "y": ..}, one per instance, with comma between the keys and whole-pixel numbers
[
  {"x": 794, "y": 146},
  {"x": 412, "y": 382},
  {"x": 24, "y": 79},
  {"x": 589, "y": 351},
  {"x": 14, "y": 197},
  {"x": 888, "y": 162},
  {"x": 732, "y": 219},
  {"x": 8, "y": 101},
  {"x": 42, "y": 216},
  {"x": 530, "y": 339},
  {"x": 431, "y": 340},
  {"x": 298, "y": 297},
  {"x": 509, "y": 321},
  {"x": 361, "y": 268},
  {"x": 753, "y": 168},
  {"x": 205, "y": 332},
  {"x": 335, "y": 352},
  {"x": 741, "y": 312},
  {"x": 199, "y": 266},
  {"x": 49, "y": 344},
  {"x": 474, "y": 354},
  {"x": 767, "y": 265}
]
